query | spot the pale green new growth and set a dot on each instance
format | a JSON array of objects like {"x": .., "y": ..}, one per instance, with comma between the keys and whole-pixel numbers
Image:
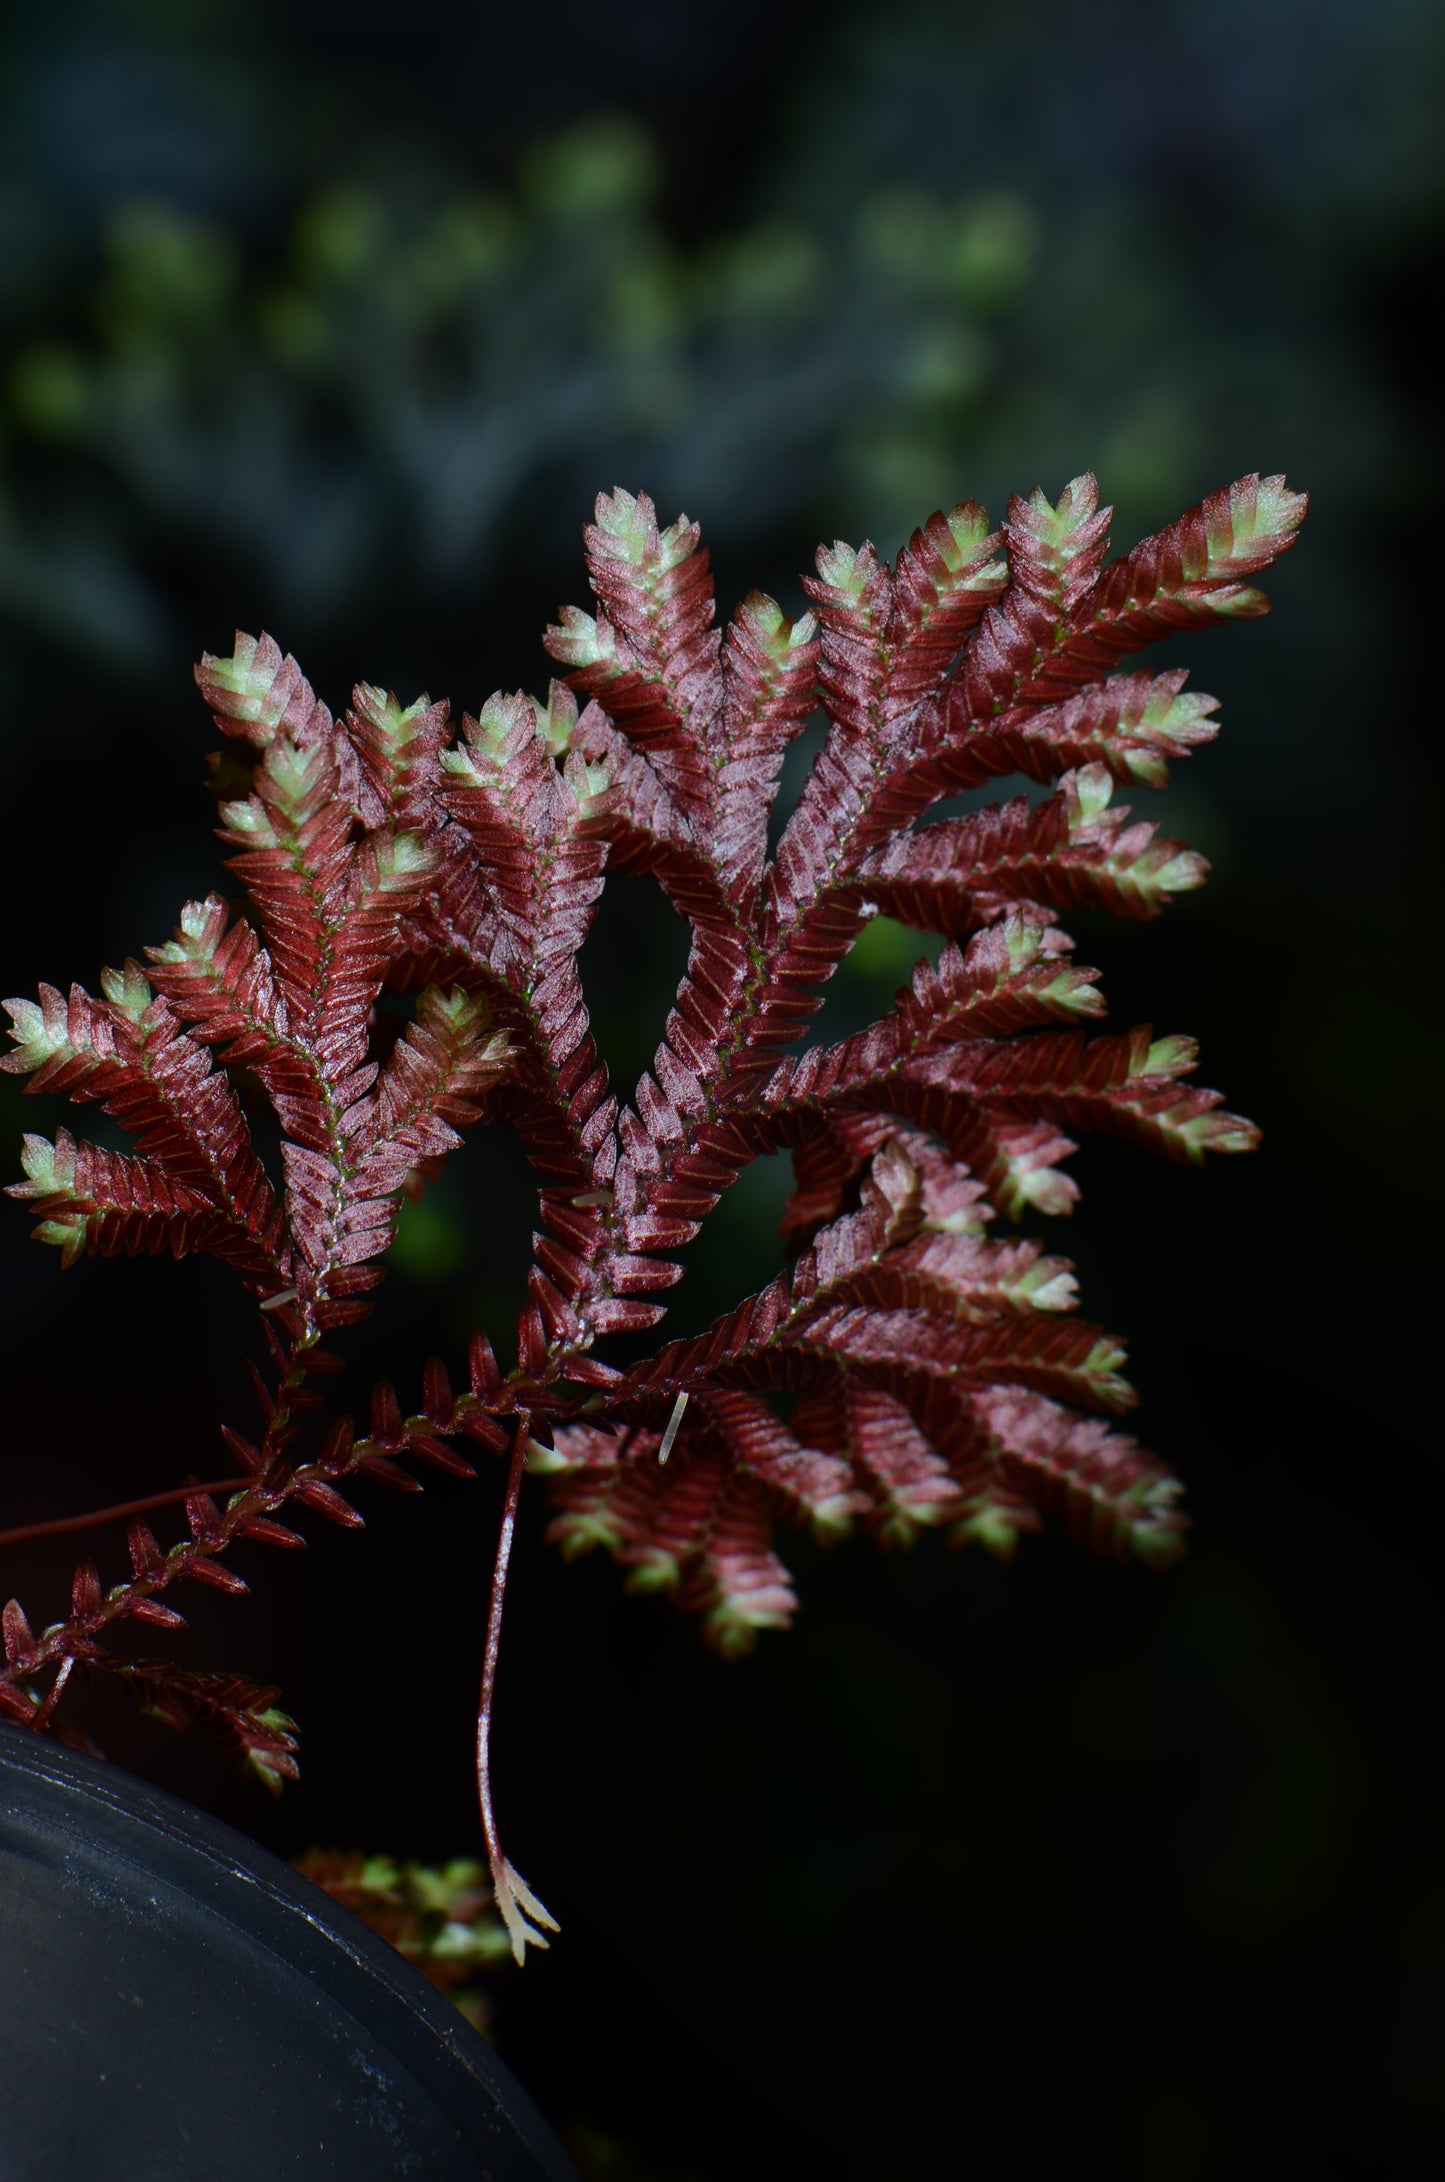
[
  {"x": 580, "y": 640},
  {"x": 557, "y": 719},
  {"x": 968, "y": 531},
  {"x": 577, "y": 1532},
  {"x": 37, "y": 1040},
  {"x": 845, "y": 568},
  {"x": 50, "y": 1172},
  {"x": 1257, "y": 515},
  {"x": 1057, "y": 524},
  {"x": 1140, "y": 869},
  {"x": 257, "y": 697},
  {"x": 990, "y": 1526},
  {"x": 733, "y": 1626},
  {"x": 127, "y": 990},
  {"x": 770, "y": 625},
  {"x": 631, "y": 521},
  {"x": 1031, "y": 1181},
  {"x": 272, "y": 1777},
  {"x": 249, "y": 817},
  {"x": 1172, "y": 1056},
  {"x": 1101, "y": 1373},
  {"x": 1183, "y": 715},
  {"x": 1047, "y": 1285}
]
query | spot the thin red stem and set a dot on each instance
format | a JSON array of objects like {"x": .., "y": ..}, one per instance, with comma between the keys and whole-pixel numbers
[
  {"x": 57, "y": 1525},
  {"x": 494, "y": 1642}
]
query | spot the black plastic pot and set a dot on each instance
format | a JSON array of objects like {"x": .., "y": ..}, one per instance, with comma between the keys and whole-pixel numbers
[{"x": 176, "y": 2002}]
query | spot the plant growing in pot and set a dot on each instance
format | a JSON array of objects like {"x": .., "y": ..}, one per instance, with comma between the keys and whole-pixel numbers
[{"x": 402, "y": 967}]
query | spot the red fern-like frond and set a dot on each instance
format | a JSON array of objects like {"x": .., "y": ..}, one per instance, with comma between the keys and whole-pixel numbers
[
  {"x": 91, "y": 1202},
  {"x": 769, "y": 674},
  {"x": 1054, "y": 553},
  {"x": 238, "y": 1716},
  {"x": 912, "y": 1367},
  {"x": 127, "y": 1054},
  {"x": 1069, "y": 852},
  {"x": 651, "y": 657},
  {"x": 257, "y": 693},
  {"x": 1184, "y": 577}
]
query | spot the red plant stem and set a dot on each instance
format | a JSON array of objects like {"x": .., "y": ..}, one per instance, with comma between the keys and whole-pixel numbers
[
  {"x": 494, "y": 1643},
  {"x": 61, "y": 1523}
]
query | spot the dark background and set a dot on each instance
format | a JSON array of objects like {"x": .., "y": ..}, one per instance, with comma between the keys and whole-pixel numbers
[{"x": 336, "y": 323}]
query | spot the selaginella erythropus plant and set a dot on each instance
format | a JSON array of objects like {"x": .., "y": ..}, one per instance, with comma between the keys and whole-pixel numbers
[{"x": 908, "y": 1368}]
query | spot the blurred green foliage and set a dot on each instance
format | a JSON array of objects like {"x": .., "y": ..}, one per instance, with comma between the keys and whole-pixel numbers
[
  {"x": 396, "y": 402},
  {"x": 441, "y": 1918}
]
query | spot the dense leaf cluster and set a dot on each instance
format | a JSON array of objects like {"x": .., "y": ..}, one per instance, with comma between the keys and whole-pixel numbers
[{"x": 910, "y": 1366}]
